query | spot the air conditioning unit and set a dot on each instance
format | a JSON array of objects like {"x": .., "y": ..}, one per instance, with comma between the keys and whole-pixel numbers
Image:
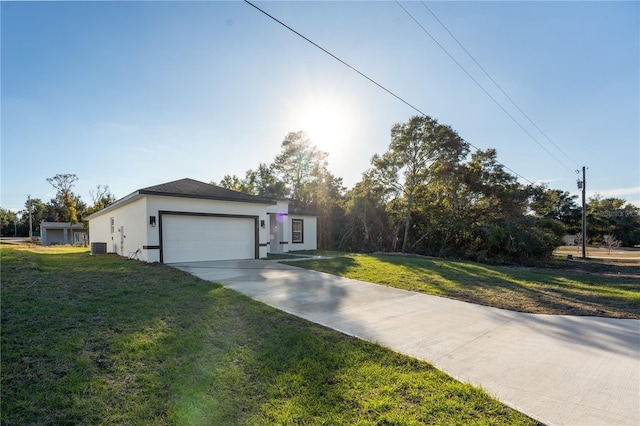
[{"x": 98, "y": 248}]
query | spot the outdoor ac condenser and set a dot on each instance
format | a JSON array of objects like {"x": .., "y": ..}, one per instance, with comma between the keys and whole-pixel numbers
[{"x": 98, "y": 248}]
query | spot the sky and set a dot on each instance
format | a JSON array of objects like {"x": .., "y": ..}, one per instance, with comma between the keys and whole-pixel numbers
[{"x": 134, "y": 94}]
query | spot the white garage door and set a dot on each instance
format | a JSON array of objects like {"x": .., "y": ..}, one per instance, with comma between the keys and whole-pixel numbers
[{"x": 196, "y": 238}]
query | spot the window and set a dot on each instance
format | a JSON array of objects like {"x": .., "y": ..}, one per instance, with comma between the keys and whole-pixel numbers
[
  {"x": 296, "y": 231},
  {"x": 113, "y": 226}
]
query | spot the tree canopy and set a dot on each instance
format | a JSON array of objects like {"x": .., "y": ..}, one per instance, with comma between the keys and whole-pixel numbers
[
  {"x": 428, "y": 193},
  {"x": 419, "y": 151},
  {"x": 66, "y": 206}
]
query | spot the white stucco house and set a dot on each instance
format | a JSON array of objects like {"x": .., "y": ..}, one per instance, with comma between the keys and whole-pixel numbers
[{"x": 187, "y": 221}]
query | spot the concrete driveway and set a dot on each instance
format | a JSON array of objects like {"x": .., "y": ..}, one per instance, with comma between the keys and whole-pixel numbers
[{"x": 557, "y": 369}]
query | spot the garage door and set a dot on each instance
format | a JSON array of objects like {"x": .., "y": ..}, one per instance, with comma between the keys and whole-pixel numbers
[{"x": 196, "y": 238}]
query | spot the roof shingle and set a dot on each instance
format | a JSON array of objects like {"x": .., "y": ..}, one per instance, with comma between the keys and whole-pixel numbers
[{"x": 190, "y": 188}]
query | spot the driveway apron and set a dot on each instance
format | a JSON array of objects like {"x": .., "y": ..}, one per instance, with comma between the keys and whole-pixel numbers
[{"x": 558, "y": 369}]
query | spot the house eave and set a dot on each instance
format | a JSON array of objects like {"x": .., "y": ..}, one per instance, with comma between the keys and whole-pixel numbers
[
  {"x": 121, "y": 202},
  {"x": 205, "y": 197}
]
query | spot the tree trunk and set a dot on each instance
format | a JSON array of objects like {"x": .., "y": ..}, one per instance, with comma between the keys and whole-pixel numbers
[{"x": 407, "y": 222}]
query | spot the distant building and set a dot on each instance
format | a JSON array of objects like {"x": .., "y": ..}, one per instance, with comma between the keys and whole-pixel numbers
[
  {"x": 63, "y": 233},
  {"x": 569, "y": 240}
]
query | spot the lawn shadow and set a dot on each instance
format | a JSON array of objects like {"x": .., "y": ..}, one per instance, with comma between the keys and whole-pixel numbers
[
  {"x": 609, "y": 335},
  {"x": 532, "y": 290},
  {"x": 304, "y": 366},
  {"x": 424, "y": 326}
]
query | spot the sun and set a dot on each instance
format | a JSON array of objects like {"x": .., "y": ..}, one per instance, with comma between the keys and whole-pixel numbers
[{"x": 328, "y": 121}]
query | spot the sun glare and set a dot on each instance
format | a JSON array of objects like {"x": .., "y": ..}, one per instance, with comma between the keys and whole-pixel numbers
[{"x": 328, "y": 122}]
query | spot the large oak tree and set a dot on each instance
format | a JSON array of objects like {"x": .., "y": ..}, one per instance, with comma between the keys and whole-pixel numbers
[{"x": 419, "y": 150}]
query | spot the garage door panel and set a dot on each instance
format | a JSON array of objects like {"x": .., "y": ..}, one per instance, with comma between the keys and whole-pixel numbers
[{"x": 197, "y": 238}]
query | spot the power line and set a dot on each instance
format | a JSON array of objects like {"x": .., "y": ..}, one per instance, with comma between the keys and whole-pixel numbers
[
  {"x": 366, "y": 77},
  {"x": 497, "y": 85},
  {"x": 481, "y": 87},
  {"x": 336, "y": 58}
]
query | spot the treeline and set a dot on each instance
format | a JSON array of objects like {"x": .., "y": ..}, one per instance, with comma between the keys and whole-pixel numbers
[
  {"x": 427, "y": 194},
  {"x": 65, "y": 207},
  {"x": 430, "y": 194}
]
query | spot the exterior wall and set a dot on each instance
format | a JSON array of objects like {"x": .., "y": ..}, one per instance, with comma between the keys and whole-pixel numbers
[
  {"x": 309, "y": 233},
  {"x": 156, "y": 204},
  {"x": 129, "y": 218},
  {"x": 99, "y": 231}
]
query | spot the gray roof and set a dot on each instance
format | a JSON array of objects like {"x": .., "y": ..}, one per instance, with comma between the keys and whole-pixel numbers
[
  {"x": 190, "y": 188},
  {"x": 187, "y": 188}
]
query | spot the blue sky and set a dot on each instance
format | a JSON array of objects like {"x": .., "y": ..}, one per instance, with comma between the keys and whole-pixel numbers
[{"x": 132, "y": 94}]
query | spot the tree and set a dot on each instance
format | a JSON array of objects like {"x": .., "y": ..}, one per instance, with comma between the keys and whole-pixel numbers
[
  {"x": 613, "y": 216},
  {"x": 627, "y": 220},
  {"x": 418, "y": 150},
  {"x": 611, "y": 241},
  {"x": 299, "y": 164},
  {"x": 557, "y": 205},
  {"x": 263, "y": 181},
  {"x": 365, "y": 225},
  {"x": 66, "y": 200},
  {"x": 101, "y": 197},
  {"x": 300, "y": 173},
  {"x": 7, "y": 222},
  {"x": 38, "y": 213},
  {"x": 233, "y": 183}
]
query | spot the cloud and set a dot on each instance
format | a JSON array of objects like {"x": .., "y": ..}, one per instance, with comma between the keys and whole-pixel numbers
[
  {"x": 625, "y": 193},
  {"x": 631, "y": 195},
  {"x": 545, "y": 181}
]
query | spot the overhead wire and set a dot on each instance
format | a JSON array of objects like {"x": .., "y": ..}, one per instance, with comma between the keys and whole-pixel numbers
[
  {"x": 496, "y": 84},
  {"x": 367, "y": 77},
  {"x": 482, "y": 87},
  {"x": 336, "y": 58}
]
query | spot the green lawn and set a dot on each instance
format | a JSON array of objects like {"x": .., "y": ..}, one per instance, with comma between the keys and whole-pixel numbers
[
  {"x": 105, "y": 340},
  {"x": 598, "y": 291}
]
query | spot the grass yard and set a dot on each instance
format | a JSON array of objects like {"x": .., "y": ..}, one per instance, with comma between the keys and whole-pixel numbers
[
  {"x": 568, "y": 288},
  {"x": 105, "y": 340}
]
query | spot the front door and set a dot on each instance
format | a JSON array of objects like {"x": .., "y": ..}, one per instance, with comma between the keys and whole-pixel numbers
[{"x": 275, "y": 233}]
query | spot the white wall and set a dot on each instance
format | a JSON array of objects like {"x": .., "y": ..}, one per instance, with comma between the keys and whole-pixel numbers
[
  {"x": 99, "y": 231},
  {"x": 129, "y": 217}
]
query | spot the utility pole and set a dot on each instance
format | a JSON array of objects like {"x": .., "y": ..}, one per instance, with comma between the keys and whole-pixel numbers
[
  {"x": 30, "y": 225},
  {"x": 583, "y": 185}
]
